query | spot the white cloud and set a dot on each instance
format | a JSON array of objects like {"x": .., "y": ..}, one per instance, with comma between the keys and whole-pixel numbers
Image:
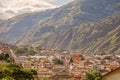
[{"x": 10, "y": 8}]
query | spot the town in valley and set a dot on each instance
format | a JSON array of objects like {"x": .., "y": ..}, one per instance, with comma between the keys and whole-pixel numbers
[{"x": 51, "y": 63}]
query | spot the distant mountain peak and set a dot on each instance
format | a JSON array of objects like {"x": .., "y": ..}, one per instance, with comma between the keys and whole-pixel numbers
[{"x": 84, "y": 20}]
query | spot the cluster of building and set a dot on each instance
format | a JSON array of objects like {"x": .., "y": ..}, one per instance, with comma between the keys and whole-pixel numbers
[
  {"x": 50, "y": 62},
  {"x": 74, "y": 64},
  {"x": 69, "y": 64}
]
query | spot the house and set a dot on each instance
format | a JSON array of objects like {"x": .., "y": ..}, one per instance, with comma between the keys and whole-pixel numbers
[
  {"x": 22, "y": 59},
  {"x": 113, "y": 75},
  {"x": 0, "y": 51},
  {"x": 88, "y": 63},
  {"x": 44, "y": 72},
  {"x": 76, "y": 58},
  {"x": 26, "y": 65},
  {"x": 59, "y": 67}
]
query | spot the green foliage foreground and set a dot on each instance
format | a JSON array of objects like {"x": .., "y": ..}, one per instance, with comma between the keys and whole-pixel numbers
[
  {"x": 15, "y": 72},
  {"x": 93, "y": 75}
]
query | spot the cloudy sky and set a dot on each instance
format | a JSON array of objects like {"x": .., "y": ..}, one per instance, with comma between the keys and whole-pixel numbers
[{"x": 11, "y": 8}]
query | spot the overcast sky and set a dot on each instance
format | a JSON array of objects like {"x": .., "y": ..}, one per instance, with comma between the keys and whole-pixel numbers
[{"x": 11, "y": 8}]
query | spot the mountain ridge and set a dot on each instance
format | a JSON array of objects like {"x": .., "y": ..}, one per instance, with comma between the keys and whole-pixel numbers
[
  {"x": 39, "y": 28},
  {"x": 84, "y": 37}
]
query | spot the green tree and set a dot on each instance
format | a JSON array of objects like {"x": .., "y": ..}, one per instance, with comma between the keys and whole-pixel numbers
[
  {"x": 34, "y": 72},
  {"x": 71, "y": 60},
  {"x": 4, "y": 56},
  {"x": 16, "y": 72},
  {"x": 31, "y": 52},
  {"x": 58, "y": 61},
  {"x": 7, "y": 78},
  {"x": 93, "y": 75}
]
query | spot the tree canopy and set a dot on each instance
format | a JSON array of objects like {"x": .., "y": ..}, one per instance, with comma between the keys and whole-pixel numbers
[{"x": 15, "y": 72}]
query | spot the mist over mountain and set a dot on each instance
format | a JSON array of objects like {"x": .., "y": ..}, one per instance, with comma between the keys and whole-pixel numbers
[{"x": 81, "y": 24}]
